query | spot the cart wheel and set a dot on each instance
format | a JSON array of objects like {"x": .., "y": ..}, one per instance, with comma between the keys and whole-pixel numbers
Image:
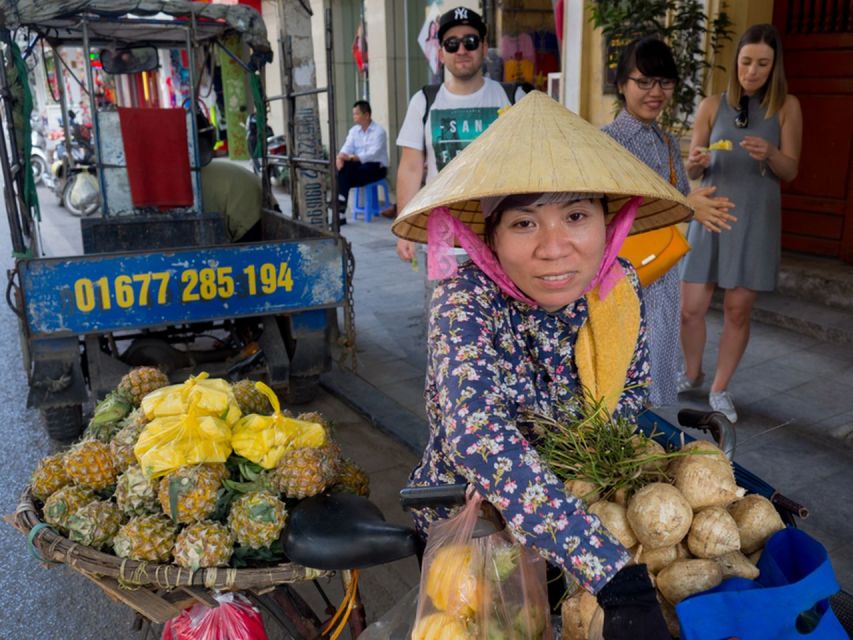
[
  {"x": 302, "y": 389},
  {"x": 63, "y": 423}
]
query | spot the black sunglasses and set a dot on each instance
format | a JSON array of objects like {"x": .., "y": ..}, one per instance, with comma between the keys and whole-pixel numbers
[
  {"x": 471, "y": 42},
  {"x": 742, "y": 117}
]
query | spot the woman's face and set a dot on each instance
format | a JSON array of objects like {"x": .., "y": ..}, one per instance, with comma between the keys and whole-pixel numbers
[
  {"x": 754, "y": 65},
  {"x": 644, "y": 104},
  {"x": 551, "y": 251}
]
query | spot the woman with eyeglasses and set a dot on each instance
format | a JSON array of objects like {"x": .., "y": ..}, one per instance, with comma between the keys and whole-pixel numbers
[
  {"x": 764, "y": 123},
  {"x": 646, "y": 77}
]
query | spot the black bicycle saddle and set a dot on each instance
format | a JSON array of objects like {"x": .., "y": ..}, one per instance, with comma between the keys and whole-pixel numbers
[{"x": 344, "y": 531}]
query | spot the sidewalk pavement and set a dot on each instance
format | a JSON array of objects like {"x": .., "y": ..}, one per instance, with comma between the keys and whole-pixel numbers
[{"x": 794, "y": 394}]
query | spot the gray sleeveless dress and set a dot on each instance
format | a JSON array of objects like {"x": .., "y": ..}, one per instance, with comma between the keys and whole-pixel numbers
[{"x": 748, "y": 255}]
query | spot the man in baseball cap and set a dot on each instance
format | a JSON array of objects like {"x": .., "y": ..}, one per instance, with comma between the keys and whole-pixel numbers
[{"x": 460, "y": 16}]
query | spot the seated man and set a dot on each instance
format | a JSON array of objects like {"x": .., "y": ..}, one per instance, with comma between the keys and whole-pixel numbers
[{"x": 363, "y": 158}]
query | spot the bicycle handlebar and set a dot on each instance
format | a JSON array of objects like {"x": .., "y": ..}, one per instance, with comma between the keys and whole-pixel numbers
[
  {"x": 714, "y": 423},
  {"x": 448, "y": 495}
]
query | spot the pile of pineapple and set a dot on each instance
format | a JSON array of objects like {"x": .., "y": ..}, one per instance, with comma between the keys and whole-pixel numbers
[{"x": 197, "y": 515}]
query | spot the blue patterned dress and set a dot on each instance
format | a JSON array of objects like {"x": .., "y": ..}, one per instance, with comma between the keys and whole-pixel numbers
[
  {"x": 662, "y": 297},
  {"x": 490, "y": 358}
]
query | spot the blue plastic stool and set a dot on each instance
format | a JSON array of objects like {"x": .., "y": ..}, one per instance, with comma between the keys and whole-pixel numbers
[{"x": 366, "y": 201}]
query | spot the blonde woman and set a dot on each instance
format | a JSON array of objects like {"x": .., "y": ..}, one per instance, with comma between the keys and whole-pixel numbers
[{"x": 764, "y": 123}]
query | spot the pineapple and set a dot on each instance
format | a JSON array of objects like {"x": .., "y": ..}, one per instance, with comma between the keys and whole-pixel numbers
[
  {"x": 203, "y": 544},
  {"x": 315, "y": 416},
  {"x": 135, "y": 494},
  {"x": 250, "y": 400},
  {"x": 121, "y": 446},
  {"x": 49, "y": 476},
  {"x": 352, "y": 479},
  {"x": 149, "y": 538},
  {"x": 90, "y": 465},
  {"x": 95, "y": 524},
  {"x": 194, "y": 490},
  {"x": 109, "y": 413},
  {"x": 139, "y": 382},
  {"x": 256, "y": 519},
  {"x": 307, "y": 471},
  {"x": 62, "y": 504}
]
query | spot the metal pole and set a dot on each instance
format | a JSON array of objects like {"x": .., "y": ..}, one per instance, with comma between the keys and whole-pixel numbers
[
  {"x": 333, "y": 139},
  {"x": 63, "y": 102},
  {"x": 287, "y": 83},
  {"x": 12, "y": 204},
  {"x": 196, "y": 170},
  {"x": 93, "y": 109}
]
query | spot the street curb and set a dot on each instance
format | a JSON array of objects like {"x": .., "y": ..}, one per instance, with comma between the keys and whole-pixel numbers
[{"x": 383, "y": 412}]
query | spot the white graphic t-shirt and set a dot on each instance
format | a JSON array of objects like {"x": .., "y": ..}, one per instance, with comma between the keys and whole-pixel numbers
[{"x": 454, "y": 121}]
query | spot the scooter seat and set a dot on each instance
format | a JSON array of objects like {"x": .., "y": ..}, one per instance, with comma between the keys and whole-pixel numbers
[{"x": 344, "y": 531}]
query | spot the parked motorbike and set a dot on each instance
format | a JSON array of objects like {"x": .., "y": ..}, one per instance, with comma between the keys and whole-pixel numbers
[
  {"x": 38, "y": 154},
  {"x": 75, "y": 182},
  {"x": 276, "y": 146}
]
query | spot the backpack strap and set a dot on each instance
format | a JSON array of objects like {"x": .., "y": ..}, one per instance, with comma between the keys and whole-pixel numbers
[
  {"x": 511, "y": 88},
  {"x": 430, "y": 92}
]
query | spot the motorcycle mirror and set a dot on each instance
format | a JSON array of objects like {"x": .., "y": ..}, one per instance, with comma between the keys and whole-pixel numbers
[{"x": 130, "y": 60}]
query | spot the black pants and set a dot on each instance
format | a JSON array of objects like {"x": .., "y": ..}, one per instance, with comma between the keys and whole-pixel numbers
[{"x": 358, "y": 174}]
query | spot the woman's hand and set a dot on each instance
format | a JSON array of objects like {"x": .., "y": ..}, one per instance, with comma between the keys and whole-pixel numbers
[
  {"x": 631, "y": 609},
  {"x": 711, "y": 212},
  {"x": 758, "y": 148},
  {"x": 698, "y": 158}
]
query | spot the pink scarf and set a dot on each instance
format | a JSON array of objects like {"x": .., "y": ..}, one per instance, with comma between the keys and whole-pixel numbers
[{"x": 443, "y": 226}]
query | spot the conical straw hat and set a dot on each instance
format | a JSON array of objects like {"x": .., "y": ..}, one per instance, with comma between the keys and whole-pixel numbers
[{"x": 540, "y": 146}]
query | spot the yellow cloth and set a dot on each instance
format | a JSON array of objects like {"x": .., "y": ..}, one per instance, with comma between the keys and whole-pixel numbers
[{"x": 607, "y": 342}]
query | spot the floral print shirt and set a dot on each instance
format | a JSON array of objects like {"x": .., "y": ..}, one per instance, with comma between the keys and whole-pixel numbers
[{"x": 490, "y": 358}]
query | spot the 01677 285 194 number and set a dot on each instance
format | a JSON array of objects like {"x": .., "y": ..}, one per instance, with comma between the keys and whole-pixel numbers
[{"x": 209, "y": 283}]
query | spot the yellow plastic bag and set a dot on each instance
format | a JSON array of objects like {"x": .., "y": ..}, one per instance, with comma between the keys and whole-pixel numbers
[
  {"x": 265, "y": 439},
  {"x": 213, "y": 396},
  {"x": 170, "y": 442}
]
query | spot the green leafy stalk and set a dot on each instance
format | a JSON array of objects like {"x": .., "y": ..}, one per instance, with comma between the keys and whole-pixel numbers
[{"x": 595, "y": 447}]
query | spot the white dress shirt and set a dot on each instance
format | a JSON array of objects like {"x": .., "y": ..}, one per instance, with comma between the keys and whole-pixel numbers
[{"x": 370, "y": 145}]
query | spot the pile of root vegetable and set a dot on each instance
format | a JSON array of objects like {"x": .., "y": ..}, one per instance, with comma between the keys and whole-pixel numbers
[
  {"x": 680, "y": 512},
  {"x": 199, "y": 474}
]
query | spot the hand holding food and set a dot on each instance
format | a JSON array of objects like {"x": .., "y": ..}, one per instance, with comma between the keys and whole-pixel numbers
[{"x": 719, "y": 145}]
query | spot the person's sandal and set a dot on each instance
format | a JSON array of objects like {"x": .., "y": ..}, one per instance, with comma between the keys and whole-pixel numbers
[{"x": 686, "y": 384}]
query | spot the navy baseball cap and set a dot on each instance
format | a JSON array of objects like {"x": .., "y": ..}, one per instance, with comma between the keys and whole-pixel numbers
[{"x": 460, "y": 16}]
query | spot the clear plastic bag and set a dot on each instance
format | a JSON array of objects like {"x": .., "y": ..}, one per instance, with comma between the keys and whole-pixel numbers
[
  {"x": 235, "y": 617},
  {"x": 85, "y": 191},
  {"x": 397, "y": 622},
  {"x": 486, "y": 588}
]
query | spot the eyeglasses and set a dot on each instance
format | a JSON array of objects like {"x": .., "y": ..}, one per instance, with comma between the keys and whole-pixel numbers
[
  {"x": 667, "y": 84},
  {"x": 742, "y": 117},
  {"x": 471, "y": 42}
]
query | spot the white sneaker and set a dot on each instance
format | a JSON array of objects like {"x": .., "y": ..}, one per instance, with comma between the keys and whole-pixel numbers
[
  {"x": 686, "y": 384},
  {"x": 721, "y": 401}
]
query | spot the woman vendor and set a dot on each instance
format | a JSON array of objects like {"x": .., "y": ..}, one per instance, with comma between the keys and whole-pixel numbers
[{"x": 541, "y": 202}]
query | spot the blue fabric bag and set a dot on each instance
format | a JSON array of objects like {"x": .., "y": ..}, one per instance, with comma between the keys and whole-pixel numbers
[{"x": 796, "y": 581}]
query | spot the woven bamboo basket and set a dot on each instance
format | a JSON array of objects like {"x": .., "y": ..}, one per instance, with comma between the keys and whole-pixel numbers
[{"x": 144, "y": 585}]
